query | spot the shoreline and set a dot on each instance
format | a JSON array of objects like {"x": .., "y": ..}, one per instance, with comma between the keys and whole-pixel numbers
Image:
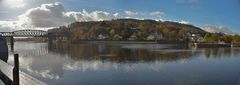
[
  {"x": 190, "y": 44},
  {"x": 131, "y": 41},
  {"x": 115, "y": 42}
]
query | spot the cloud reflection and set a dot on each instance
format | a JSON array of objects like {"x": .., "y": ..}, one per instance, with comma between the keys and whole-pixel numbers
[{"x": 55, "y": 61}]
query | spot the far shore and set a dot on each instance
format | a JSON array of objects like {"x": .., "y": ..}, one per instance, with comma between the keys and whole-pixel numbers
[
  {"x": 117, "y": 41},
  {"x": 131, "y": 41},
  {"x": 199, "y": 45}
]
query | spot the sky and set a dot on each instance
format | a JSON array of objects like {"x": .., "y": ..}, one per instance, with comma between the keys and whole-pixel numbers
[{"x": 210, "y": 15}]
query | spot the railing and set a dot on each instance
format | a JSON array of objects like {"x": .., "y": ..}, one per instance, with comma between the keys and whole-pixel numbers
[{"x": 10, "y": 74}]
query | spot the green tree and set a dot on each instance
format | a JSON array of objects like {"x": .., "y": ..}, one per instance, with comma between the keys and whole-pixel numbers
[
  {"x": 207, "y": 37},
  {"x": 227, "y": 38},
  {"x": 235, "y": 38},
  {"x": 112, "y": 32}
]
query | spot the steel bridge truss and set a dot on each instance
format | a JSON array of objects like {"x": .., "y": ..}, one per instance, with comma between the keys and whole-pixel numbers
[{"x": 24, "y": 33}]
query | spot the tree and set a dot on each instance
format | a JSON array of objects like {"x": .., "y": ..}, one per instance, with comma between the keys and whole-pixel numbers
[
  {"x": 227, "y": 38},
  {"x": 215, "y": 37},
  {"x": 208, "y": 37},
  {"x": 127, "y": 27},
  {"x": 235, "y": 38},
  {"x": 78, "y": 33},
  {"x": 112, "y": 32}
]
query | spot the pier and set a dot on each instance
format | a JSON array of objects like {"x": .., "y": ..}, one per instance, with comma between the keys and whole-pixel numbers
[
  {"x": 12, "y": 75},
  {"x": 212, "y": 45}
]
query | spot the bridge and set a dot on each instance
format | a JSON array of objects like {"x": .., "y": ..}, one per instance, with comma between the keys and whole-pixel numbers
[
  {"x": 23, "y": 33},
  {"x": 10, "y": 74},
  {"x": 51, "y": 35}
]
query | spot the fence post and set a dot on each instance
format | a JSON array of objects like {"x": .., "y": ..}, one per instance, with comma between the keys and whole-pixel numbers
[{"x": 16, "y": 70}]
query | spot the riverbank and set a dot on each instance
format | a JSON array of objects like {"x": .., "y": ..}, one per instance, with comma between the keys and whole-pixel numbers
[
  {"x": 125, "y": 41},
  {"x": 213, "y": 45},
  {"x": 117, "y": 42}
]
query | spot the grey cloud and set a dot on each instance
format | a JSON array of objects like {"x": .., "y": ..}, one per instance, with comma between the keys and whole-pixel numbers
[
  {"x": 131, "y": 13},
  {"x": 157, "y": 14},
  {"x": 217, "y": 29},
  {"x": 53, "y": 15}
]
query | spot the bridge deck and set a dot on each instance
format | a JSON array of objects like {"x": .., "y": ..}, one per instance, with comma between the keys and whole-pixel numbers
[{"x": 25, "y": 33}]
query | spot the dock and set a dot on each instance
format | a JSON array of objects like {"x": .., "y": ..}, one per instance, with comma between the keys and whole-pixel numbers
[
  {"x": 213, "y": 45},
  {"x": 11, "y": 75},
  {"x": 235, "y": 45}
]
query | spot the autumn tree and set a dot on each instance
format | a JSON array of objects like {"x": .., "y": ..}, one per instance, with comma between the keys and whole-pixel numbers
[{"x": 235, "y": 38}]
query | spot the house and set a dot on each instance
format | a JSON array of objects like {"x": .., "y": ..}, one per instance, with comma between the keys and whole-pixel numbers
[
  {"x": 151, "y": 37},
  {"x": 158, "y": 36},
  {"x": 195, "y": 37},
  {"x": 117, "y": 37},
  {"x": 102, "y": 37},
  {"x": 133, "y": 37},
  {"x": 155, "y": 36}
]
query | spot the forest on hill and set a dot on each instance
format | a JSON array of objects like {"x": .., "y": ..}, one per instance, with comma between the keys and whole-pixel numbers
[{"x": 127, "y": 29}]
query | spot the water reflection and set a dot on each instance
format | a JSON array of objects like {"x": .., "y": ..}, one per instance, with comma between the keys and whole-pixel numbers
[
  {"x": 221, "y": 52},
  {"x": 121, "y": 53},
  {"x": 141, "y": 64}
]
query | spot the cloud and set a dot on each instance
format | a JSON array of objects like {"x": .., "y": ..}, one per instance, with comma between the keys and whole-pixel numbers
[
  {"x": 53, "y": 15},
  {"x": 91, "y": 16},
  {"x": 181, "y": 21},
  {"x": 6, "y": 26},
  {"x": 116, "y": 15},
  {"x": 217, "y": 29},
  {"x": 131, "y": 13},
  {"x": 15, "y": 3},
  {"x": 19, "y": 6},
  {"x": 184, "y": 22},
  {"x": 157, "y": 14}
]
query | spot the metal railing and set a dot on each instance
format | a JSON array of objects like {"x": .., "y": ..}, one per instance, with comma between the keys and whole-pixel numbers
[{"x": 10, "y": 74}]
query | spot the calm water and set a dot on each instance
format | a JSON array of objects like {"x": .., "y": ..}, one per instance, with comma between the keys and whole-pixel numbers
[{"x": 128, "y": 64}]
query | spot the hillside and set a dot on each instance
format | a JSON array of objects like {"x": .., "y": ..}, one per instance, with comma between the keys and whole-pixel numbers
[{"x": 127, "y": 29}]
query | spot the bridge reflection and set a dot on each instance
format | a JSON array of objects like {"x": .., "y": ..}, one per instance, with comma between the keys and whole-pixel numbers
[{"x": 30, "y": 50}]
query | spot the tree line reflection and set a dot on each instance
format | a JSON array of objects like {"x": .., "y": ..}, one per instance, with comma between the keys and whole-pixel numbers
[
  {"x": 115, "y": 53},
  {"x": 221, "y": 52},
  {"x": 51, "y": 62}
]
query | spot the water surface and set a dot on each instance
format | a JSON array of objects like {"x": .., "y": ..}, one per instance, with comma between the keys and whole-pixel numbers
[{"x": 128, "y": 64}]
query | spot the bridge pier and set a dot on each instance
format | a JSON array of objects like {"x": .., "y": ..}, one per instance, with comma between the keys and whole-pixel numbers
[{"x": 12, "y": 43}]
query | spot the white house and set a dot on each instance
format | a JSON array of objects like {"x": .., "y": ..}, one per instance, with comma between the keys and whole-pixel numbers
[
  {"x": 102, "y": 37},
  {"x": 151, "y": 37},
  {"x": 155, "y": 36},
  {"x": 194, "y": 37},
  {"x": 132, "y": 37},
  {"x": 117, "y": 37}
]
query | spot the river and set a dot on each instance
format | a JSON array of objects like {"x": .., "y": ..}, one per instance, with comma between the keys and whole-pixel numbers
[{"x": 128, "y": 64}]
